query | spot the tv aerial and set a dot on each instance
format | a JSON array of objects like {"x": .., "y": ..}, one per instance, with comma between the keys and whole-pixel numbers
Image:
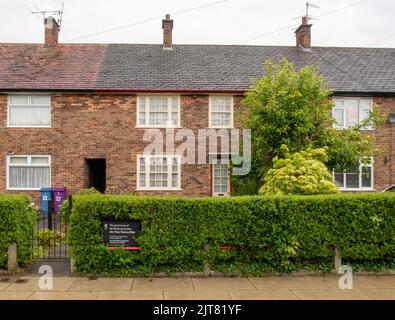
[
  {"x": 47, "y": 13},
  {"x": 307, "y": 15}
]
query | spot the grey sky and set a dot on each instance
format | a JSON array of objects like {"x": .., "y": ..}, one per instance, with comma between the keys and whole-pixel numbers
[{"x": 230, "y": 22}]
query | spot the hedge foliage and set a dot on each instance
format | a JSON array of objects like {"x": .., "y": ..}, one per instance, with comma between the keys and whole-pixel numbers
[
  {"x": 17, "y": 221},
  {"x": 282, "y": 234}
]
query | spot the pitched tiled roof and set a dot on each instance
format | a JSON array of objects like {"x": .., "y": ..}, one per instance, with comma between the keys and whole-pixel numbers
[
  {"x": 144, "y": 67},
  {"x": 31, "y": 66}
]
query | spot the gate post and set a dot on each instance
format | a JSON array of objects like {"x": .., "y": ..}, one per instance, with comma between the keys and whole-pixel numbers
[{"x": 12, "y": 263}]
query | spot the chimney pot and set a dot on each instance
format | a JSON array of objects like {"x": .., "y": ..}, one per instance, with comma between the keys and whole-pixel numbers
[
  {"x": 167, "y": 26},
  {"x": 303, "y": 34},
  {"x": 51, "y": 32}
]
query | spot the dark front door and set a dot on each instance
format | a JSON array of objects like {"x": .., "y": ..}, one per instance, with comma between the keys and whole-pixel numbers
[{"x": 97, "y": 174}]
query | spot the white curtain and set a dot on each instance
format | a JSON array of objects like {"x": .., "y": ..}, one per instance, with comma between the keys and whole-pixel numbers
[
  {"x": 30, "y": 115},
  {"x": 29, "y": 177}
]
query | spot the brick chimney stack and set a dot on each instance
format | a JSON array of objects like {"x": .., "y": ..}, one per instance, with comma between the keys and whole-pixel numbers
[
  {"x": 167, "y": 26},
  {"x": 303, "y": 34},
  {"x": 51, "y": 32}
]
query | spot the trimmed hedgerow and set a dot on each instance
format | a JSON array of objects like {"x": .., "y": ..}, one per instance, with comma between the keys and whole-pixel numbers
[
  {"x": 17, "y": 220},
  {"x": 269, "y": 233}
]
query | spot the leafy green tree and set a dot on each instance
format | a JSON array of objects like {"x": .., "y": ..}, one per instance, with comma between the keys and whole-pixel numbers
[
  {"x": 301, "y": 172},
  {"x": 293, "y": 108}
]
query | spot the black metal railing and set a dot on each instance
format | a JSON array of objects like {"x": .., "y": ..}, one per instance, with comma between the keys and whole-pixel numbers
[{"x": 49, "y": 238}]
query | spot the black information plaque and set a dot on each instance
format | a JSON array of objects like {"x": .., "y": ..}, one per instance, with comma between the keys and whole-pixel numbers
[{"x": 121, "y": 233}]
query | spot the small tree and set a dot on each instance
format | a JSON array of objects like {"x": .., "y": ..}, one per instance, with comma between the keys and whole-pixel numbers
[
  {"x": 301, "y": 173},
  {"x": 293, "y": 108}
]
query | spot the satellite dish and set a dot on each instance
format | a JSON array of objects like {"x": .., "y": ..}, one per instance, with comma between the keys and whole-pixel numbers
[{"x": 391, "y": 118}]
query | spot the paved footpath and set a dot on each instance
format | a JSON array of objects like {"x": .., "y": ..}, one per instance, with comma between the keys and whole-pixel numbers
[{"x": 221, "y": 288}]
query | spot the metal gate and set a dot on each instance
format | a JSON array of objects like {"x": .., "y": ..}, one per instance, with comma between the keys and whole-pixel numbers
[{"x": 49, "y": 239}]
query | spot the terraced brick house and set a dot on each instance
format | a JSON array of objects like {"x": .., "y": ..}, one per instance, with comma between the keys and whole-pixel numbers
[{"x": 74, "y": 115}]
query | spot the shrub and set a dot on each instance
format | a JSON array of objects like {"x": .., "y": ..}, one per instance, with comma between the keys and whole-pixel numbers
[
  {"x": 17, "y": 220},
  {"x": 49, "y": 238},
  {"x": 302, "y": 173},
  {"x": 272, "y": 233}
]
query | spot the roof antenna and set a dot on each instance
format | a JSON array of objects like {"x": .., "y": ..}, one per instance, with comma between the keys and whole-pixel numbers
[
  {"x": 308, "y": 5},
  {"x": 46, "y": 13}
]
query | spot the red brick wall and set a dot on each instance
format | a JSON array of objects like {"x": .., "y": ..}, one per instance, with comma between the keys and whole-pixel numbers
[
  {"x": 88, "y": 126},
  {"x": 104, "y": 126},
  {"x": 384, "y": 164}
]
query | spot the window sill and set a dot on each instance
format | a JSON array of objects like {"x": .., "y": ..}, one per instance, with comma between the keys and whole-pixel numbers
[
  {"x": 159, "y": 127},
  {"x": 343, "y": 128},
  {"x": 30, "y": 127},
  {"x": 25, "y": 189},
  {"x": 357, "y": 189},
  {"x": 211, "y": 127}
]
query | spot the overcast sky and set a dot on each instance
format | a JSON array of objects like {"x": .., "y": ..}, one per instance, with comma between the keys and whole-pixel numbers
[{"x": 354, "y": 23}]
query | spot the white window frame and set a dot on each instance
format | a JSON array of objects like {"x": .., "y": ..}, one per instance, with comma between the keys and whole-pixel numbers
[
  {"x": 361, "y": 165},
  {"x": 219, "y": 194},
  {"x": 343, "y": 109},
  {"x": 29, "y": 161},
  {"x": 169, "y": 172},
  {"x": 147, "y": 111},
  {"x": 210, "y": 104},
  {"x": 9, "y": 125}
]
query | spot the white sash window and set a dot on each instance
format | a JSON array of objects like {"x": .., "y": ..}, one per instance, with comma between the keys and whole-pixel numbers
[
  {"x": 158, "y": 172},
  {"x": 221, "y": 112},
  {"x": 158, "y": 111}
]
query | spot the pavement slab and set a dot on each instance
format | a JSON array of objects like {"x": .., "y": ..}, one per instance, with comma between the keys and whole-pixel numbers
[
  {"x": 32, "y": 284},
  {"x": 283, "y": 282},
  {"x": 102, "y": 284},
  {"x": 15, "y": 295},
  {"x": 222, "y": 283},
  {"x": 326, "y": 294},
  {"x": 68, "y": 295},
  {"x": 269, "y": 294},
  {"x": 162, "y": 284},
  {"x": 196, "y": 295},
  {"x": 130, "y": 295},
  {"x": 377, "y": 294}
]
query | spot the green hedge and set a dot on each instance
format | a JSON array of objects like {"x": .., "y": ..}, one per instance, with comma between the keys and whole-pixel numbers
[
  {"x": 17, "y": 220},
  {"x": 273, "y": 233}
]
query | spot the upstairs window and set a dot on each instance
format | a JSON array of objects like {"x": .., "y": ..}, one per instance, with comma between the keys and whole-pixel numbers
[
  {"x": 158, "y": 111},
  {"x": 349, "y": 112},
  {"x": 28, "y": 172},
  {"x": 359, "y": 178},
  {"x": 29, "y": 111},
  {"x": 221, "y": 112}
]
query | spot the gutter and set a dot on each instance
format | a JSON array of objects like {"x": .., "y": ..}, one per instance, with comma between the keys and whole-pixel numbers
[{"x": 134, "y": 91}]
